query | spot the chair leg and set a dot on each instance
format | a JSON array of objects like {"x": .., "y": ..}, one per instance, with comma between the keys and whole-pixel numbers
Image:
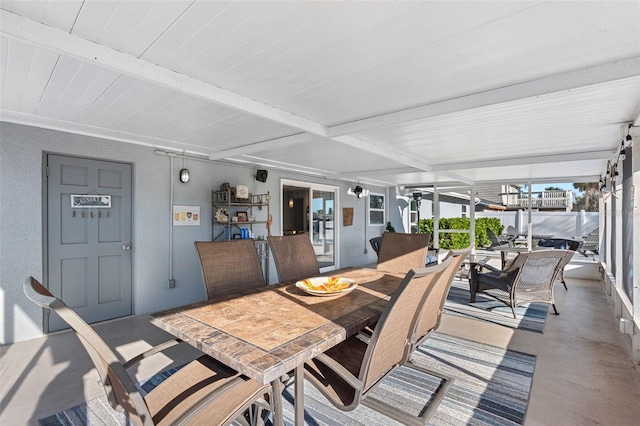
[
  {"x": 513, "y": 311},
  {"x": 565, "y": 285},
  {"x": 555, "y": 311},
  {"x": 426, "y": 413}
]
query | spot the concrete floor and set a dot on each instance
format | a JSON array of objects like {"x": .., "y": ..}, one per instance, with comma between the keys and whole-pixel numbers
[{"x": 582, "y": 375}]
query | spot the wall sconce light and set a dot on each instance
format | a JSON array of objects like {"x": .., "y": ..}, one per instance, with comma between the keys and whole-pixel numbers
[
  {"x": 358, "y": 191},
  {"x": 290, "y": 203},
  {"x": 184, "y": 175},
  {"x": 184, "y": 172}
]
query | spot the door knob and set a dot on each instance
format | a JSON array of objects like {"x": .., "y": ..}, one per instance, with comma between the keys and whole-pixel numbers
[{"x": 126, "y": 247}]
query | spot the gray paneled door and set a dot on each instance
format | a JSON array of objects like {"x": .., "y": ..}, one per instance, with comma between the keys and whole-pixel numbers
[{"x": 89, "y": 249}]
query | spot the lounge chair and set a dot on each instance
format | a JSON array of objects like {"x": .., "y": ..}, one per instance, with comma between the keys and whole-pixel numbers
[
  {"x": 529, "y": 278},
  {"x": 591, "y": 243},
  {"x": 496, "y": 241}
]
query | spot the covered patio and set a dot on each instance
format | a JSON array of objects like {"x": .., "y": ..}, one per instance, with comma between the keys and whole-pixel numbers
[{"x": 283, "y": 97}]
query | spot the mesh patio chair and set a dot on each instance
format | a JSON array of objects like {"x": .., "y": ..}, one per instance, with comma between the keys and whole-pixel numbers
[
  {"x": 591, "y": 243},
  {"x": 529, "y": 278},
  {"x": 433, "y": 304},
  {"x": 294, "y": 257},
  {"x": 375, "y": 244},
  {"x": 202, "y": 392},
  {"x": 402, "y": 252},
  {"x": 229, "y": 266},
  {"x": 545, "y": 244},
  {"x": 347, "y": 373}
]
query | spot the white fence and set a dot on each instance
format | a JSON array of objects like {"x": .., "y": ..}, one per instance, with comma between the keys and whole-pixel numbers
[{"x": 558, "y": 224}]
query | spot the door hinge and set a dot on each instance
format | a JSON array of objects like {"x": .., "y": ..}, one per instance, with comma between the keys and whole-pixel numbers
[{"x": 47, "y": 171}]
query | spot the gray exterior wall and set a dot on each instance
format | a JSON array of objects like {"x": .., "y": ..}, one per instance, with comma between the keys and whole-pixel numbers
[{"x": 22, "y": 239}]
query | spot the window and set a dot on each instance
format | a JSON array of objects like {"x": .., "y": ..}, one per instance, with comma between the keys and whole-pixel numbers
[{"x": 376, "y": 209}]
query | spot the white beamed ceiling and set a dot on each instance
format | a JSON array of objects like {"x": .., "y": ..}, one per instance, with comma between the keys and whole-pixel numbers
[{"x": 391, "y": 93}]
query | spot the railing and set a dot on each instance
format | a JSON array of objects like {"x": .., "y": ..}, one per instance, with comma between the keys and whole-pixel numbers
[{"x": 541, "y": 199}]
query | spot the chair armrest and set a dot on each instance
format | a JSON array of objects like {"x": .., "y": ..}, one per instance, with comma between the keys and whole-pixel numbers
[
  {"x": 340, "y": 370},
  {"x": 149, "y": 352}
]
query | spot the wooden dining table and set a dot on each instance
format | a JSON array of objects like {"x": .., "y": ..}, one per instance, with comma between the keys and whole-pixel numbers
[{"x": 269, "y": 332}]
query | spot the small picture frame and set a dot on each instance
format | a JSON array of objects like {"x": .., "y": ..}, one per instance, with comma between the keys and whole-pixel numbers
[{"x": 242, "y": 216}]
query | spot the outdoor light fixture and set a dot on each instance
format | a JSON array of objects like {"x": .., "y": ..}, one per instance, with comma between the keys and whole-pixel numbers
[
  {"x": 623, "y": 154},
  {"x": 290, "y": 203},
  {"x": 417, "y": 197},
  {"x": 358, "y": 191},
  {"x": 184, "y": 172}
]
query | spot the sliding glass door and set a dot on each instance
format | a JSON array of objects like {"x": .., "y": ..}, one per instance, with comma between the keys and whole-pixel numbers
[{"x": 311, "y": 208}]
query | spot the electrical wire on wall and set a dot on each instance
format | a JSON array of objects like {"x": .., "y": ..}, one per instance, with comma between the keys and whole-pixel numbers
[{"x": 171, "y": 279}]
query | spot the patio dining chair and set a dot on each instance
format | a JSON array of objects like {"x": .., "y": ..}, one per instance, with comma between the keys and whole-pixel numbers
[
  {"x": 529, "y": 278},
  {"x": 401, "y": 252},
  {"x": 202, "y": 392},
  {"x": 294, "y": 257},
  {"x": 229, "y": 266},
  {"x": 348, "y": 373},
  {"x": 430, "y": 313}
]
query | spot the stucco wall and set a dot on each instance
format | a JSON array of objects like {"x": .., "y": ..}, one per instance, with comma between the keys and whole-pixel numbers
[{"x": 22, "y": 151}]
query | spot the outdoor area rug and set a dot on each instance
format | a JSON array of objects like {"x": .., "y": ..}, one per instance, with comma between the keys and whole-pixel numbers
[
  {"x": 530, "y": 317},
  {"x": 491, "y": 387}
]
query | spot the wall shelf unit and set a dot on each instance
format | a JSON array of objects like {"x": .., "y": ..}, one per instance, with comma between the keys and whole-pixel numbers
[{"x": 232, "y": 214}]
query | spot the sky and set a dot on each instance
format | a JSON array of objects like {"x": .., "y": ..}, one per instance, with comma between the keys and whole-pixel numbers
[{"x": 542, "y": 186}]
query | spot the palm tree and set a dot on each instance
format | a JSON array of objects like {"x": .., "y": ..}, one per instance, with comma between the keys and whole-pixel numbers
[{"x": 588, "y": 201}]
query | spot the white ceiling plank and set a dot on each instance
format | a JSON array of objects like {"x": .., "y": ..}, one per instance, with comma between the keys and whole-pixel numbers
[
  {"x": 93, "y": 88},
  {"x": 561, "y": 82},
  {"x": 4, "y": 64},
  {"x": 108, "y": 102},
  {"x": 42, "y": 67},
  {"x": 49, "y": 38},
  {"x": 94, "y": 16},
  {"x": 161, "y": 17},
  {"x": 62, "y": 14},
  {"x": 123, "y": 23},
  {"x": 19, "y": 62},
  {"x": 186, "y": 26},
  {"x": 60, "y": 81}
]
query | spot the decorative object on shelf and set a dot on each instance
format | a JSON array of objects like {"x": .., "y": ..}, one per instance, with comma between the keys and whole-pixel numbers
[
  {"x": 242, "y": 217},
  {"x": 242, "y": 194},
  {"x": 269, "y": 223},
  {"x": 222, "y": 215},
  {"x": 225, "y": 186}
]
